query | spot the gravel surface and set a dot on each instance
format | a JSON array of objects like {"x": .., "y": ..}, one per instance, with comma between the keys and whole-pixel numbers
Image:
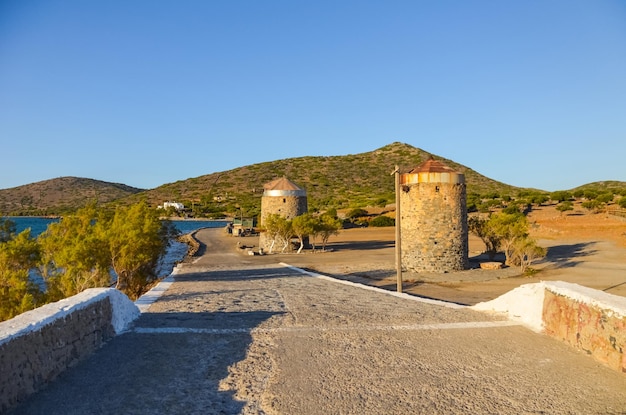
[{"x": 243, "y": 335}]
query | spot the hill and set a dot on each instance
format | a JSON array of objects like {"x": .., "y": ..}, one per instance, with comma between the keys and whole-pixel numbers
[
  {"x": 60, "y": 195},
  {"x": 354, "y": 180}
]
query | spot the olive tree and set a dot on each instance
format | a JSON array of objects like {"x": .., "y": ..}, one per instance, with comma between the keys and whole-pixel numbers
[
  {"x": 524, "y": 252},
  {"x": 564, "y": 206},
  {"x": 327, "y": 226},
  {"x": 278, "y": 230},
  {"x": 303, "y": 226},
  {"x": 480, "y": 227},
  {"x": 509, "y": 228}
]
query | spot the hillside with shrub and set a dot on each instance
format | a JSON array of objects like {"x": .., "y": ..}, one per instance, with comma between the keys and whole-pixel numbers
[{"x": 332, "y": 182}]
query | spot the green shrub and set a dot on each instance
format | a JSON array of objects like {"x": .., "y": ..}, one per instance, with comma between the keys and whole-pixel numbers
[
  {"x": 382, "y": 221},
  {"x": 356, "y": 213}
]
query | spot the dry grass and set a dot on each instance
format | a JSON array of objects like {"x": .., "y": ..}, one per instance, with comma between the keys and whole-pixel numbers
[{"x": 548, "y": 223}]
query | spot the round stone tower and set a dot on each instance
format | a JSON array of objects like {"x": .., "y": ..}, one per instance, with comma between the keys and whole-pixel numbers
[
  {"x": 433, "y": 221},
  {"x": 282, "y": 197}
]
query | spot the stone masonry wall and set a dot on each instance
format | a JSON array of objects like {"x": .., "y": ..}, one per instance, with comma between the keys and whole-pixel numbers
[
  {"x": 597, "y": 331},
  {"x": 434, "y": 227},
  {"x": 33, "y": 358},
  {"x": 287, "y": 206}
]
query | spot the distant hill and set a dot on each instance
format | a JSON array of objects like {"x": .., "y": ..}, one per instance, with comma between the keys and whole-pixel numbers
[
  {"x": 605, "y": 185},
  {"x": 354, "y": 180},
  {"x": 337, "y": 181},
  {"x": 60, "y": 195}
]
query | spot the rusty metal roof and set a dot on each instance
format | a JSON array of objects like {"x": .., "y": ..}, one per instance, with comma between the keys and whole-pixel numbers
[
  {"x": 282, "y": 183},
  {"x": 432, "y": 166}
]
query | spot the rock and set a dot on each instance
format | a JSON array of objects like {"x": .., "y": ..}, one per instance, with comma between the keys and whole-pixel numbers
[{"x": 491, "y": 265}]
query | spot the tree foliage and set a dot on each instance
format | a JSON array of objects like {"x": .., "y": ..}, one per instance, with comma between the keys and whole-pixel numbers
[
  {"x": 91, "y": 248},
  {"x": 480, "y": 227},
  {"x": 565, "y": 206},
  {"x": 303, "y": 226},
  {"x": 328, "y": 225},
  {"x": 280, "y": 230},
  {"x": 356, "y": 213},
  {"x": 18, "y": 293},
  {"x": 560, "y": 196},
  {"x": 524, "y": 252},
  {"x": 136, "y": 241},
  {"x": 382, "y": 221},
  {"x": 75, "y": 253},
  {"x": 500, "y": 230}
]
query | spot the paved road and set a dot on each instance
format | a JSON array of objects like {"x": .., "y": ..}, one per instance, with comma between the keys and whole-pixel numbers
[{"x": 245, "y": 335}]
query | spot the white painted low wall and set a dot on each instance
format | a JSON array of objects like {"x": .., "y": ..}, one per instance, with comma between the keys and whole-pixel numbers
[
  {"x": 587, "y": 319},
  {"x": 36, "y": 346}
]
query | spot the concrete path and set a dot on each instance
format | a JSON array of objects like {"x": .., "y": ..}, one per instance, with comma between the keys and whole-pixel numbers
[{"x": 239, "y": 335}]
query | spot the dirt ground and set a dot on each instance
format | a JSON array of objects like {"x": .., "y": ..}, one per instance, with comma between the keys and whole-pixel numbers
[{"x": 583, "y": 248}]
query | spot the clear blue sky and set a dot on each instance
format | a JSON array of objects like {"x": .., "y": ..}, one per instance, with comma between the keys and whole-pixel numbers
[{"x": 148, "y": 92}]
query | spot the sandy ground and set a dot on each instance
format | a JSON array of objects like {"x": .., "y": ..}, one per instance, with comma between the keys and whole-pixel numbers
[{"x": 583, "y": 248}]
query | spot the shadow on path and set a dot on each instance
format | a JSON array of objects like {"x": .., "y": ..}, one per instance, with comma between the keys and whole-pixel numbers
[
  {"x": 152, "y": 370},
  {"x": 564, "y": 256}
]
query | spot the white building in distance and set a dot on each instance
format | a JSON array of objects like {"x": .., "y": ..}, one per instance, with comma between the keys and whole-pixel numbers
[{"x": 175, "y": 205}]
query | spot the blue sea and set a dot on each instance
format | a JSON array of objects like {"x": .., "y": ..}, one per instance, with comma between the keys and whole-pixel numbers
[
  {"x": 38, "y": 225},
  {"x": 175, "y": 252}
]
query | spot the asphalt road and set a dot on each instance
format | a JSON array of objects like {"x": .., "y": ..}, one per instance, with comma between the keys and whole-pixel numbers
[{"x": 246, "y": 335}]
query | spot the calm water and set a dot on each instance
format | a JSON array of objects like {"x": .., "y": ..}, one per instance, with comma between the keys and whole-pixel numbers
[
  {"x": 176, "y": 251},
  {"x": 38, "y": 225}
]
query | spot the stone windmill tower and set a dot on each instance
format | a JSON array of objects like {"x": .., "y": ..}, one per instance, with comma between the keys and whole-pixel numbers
[
  {"x": 433, "y": 218},
  {"x": 282, "y": 197}
]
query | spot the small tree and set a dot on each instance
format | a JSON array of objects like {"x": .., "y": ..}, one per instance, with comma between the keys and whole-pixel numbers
[
  {"x": 564, "y": 207},
  {"x": 7, "y": 229},
  {"x": 592, "y": 205},
  {"x": 75, "y": 254},
  {"x": 382, "y": 221},
  {"x": 560, "y": 196},
  {"x": 285, "y": 233},
  {"x": 480, "y": 227},
  {"x": 18, "y": 293},
  {"x": 356, "y": 213},
  {"x": 279, "y": 230},
  {"x": 136, "y": 241},
  {"x": 327, "y": 226},
  {"x": 509, "y": 227},
  {"x": 270, "y": 228},
  {"x": 524, "y": 252},
  {"x": 303, "y": 226}
]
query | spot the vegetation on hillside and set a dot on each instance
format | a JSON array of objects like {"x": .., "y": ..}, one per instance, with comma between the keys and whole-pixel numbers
[
  {"x": 335, "y": 182},
  {"x": 60, "y": 196}
]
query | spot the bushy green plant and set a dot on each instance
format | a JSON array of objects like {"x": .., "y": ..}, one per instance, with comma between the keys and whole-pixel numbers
[
  {"x": 356, "y": 213},
  {"x": 565, "y": 206},
  {"x": 382, "y": 221},
  {"x": 560, "y": 196}
]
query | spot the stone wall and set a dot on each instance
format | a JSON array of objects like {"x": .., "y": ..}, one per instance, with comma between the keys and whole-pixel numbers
[
  {"x": 286, "y": 206},
  {"x": 434, "y": 227},
  {"x": 589, "y": 320},
  {"x": 596, "y": 330},
  {"x": 36, "y": 346}
]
